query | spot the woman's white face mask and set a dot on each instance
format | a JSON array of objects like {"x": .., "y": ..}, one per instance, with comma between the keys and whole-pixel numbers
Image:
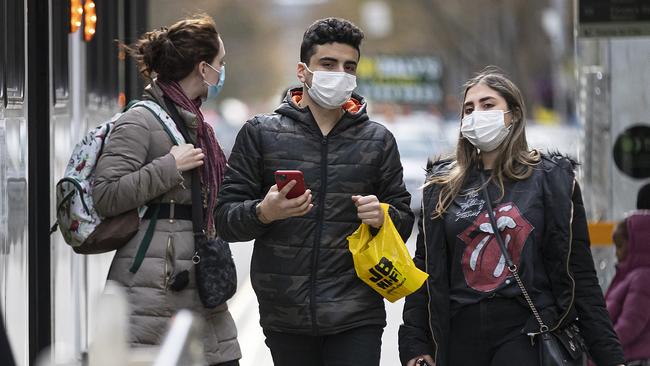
[
  {"x": 486, "y": 130},
  {"x": 331, "y": 89}
]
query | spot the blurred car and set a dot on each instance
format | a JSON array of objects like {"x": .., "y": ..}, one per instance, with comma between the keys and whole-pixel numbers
[
  {"x": 419, "y": 137},
  {"x": 562, "y": 138}
]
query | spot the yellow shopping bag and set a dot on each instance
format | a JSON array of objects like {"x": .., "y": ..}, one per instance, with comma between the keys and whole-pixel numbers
[{"x": 383, "y": 262}]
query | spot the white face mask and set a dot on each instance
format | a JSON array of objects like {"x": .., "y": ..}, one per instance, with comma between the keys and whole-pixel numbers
[
  {"x": 331, "y": 89},
  {"x": 485, "y": 129}
]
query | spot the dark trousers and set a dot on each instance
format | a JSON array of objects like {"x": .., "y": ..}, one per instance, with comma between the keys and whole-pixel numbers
[
  {"x": 229, "y": 363},
  {"x": 490, "y": 334},
  {"x": 356, "y": 347}
]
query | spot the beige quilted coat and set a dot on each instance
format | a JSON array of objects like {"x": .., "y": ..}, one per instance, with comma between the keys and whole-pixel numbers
[{"x": 135, "y": 168}]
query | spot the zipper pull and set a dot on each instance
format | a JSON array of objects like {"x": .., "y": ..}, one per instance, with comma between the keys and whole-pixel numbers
[{"x": 532, "y": 339}]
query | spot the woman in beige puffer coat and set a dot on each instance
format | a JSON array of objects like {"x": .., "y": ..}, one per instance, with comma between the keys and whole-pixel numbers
[{"x": 141, "y": 166}]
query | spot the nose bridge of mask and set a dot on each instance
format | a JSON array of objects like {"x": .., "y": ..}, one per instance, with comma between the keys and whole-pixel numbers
[
  {"x": 332, "y": 79},
  {"x": 481, "y": 120}
]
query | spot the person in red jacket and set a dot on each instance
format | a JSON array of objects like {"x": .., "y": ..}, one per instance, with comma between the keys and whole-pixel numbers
[{"x": 628, "y": 296}]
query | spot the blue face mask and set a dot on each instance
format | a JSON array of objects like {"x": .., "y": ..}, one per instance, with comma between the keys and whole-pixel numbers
[{"x": 214, "y": 90}]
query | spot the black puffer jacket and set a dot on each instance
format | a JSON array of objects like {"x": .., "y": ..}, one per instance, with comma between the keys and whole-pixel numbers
[
  {"x": 566, "y": 258},
  {"x": 302, "y": 270}
]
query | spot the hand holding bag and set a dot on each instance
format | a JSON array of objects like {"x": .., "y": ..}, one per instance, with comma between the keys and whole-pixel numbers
[
  {"x": 383, "y": 262},
  {"x": 558, "y": 347}
]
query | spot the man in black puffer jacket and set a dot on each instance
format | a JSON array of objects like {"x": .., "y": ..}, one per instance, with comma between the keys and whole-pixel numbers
[{"x": 313, "y": 308}]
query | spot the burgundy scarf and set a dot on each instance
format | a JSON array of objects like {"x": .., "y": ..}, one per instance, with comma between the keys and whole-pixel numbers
[{"x": 214, "y": 163}]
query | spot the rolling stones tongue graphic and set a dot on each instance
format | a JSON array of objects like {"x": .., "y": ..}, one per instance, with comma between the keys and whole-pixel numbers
[{"x": 483, "y": 264}]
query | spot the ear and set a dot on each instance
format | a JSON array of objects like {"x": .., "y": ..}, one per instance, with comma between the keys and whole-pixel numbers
[
  {"x": 516, "y": 115},
  {"x": 301, "y": 72},
  {"x": 200, "y": 69}
]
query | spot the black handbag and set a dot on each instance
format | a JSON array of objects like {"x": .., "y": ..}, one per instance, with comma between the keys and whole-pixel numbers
[
  {"x": 559, "y": 346},
  {"x": 216, "y": 275}
]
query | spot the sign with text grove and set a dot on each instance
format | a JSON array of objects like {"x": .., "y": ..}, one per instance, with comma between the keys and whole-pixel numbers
[{"x": 400, "y": 79}]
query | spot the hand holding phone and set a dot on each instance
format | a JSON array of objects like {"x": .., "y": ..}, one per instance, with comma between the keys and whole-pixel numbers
[
  {"x": 287, "y": 198},
  {"x": 283, "y": 177}
]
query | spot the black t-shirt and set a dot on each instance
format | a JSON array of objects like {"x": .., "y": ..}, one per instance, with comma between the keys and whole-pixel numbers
[{"x": 477, "y": 268}]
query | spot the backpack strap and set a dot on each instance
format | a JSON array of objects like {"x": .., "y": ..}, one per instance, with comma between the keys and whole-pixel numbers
[
  {"x": 131, "y": 103},
  {"x": 165, "y": 121},
  {"x": 177, "y": 138}
]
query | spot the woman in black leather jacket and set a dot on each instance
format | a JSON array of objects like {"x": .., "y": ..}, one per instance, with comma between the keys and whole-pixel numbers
[{"x": 471, "y": 310}]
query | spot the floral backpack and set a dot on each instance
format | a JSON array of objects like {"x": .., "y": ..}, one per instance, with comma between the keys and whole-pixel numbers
[{"x": 75, "y": 210}]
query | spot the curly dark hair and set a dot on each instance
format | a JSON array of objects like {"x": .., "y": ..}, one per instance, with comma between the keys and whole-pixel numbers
[
  {"x": 329, "y": 30},
  {"x": 171, "y": 53}
]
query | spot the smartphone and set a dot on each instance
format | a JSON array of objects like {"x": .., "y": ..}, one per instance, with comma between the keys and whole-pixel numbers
[{"x": 282, "y": 177}]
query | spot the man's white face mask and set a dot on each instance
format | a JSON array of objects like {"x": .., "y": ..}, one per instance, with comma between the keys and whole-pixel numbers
[
  {"x": 331, "y": 89},
  {"x": 486, "y": 130}
]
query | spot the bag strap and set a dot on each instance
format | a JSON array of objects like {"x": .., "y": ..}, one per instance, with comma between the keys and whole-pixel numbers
[
  {"x": 197, "y": 210},
  {"x": 543, "y": 328},
  {"x": 146, "y": 240},
  {"x": 197, "y": 206},
  {"x": 157, "y": 110}
]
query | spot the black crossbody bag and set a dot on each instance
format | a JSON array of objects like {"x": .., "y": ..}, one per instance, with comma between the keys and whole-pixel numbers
[
  {"x": 558, "y": 347},
  {"x": 216, "y": 275}
]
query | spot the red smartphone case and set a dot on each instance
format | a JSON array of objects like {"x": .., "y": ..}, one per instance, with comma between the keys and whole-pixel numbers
[{"x": 282, "y": 177}]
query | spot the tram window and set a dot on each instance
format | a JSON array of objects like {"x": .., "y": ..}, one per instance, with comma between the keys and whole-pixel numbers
[
  {"x": 15, "y": 51},
  {"x": 102, "y": 55},
  {"x": 112, "y": 32},
  {"x": 92, "y": 67},
  {"x": 60, "y": 29},
  {"x": 3, "y": 42},
  {"x": 135, "y": 25}
]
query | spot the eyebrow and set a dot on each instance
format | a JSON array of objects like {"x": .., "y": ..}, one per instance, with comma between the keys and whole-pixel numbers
[
  {"x": 480, "y": 101},
  {"x": 332, "y": 59}
]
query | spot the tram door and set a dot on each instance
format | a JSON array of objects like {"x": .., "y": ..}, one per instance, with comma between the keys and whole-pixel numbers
[{"x": 13, "y": 177}]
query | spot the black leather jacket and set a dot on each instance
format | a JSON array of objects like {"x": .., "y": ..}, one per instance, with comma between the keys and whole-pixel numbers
[{"x": 566, "y": 257}]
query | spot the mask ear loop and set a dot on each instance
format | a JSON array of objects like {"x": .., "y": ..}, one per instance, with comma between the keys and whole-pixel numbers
[
  {"x": 311, "y": 72},
  {"x": 217, "y": 71},
  {"x": 512, "y": 121}
]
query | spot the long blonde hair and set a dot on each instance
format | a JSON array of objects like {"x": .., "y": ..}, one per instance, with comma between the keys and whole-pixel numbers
[{"x": 514, "y": 159}]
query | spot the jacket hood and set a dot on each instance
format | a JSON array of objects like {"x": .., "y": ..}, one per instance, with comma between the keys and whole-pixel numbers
[
  {"x": 638, "y": 243},
  {"x": 561, "y": 159},
  {"x": 355, "y": 110},
  {"x": 438, "y": 166}
]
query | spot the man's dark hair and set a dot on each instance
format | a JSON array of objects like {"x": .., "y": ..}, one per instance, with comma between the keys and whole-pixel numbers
[
  {"x": 329, "y": 30},
  {"x": 643, "y": 198}
]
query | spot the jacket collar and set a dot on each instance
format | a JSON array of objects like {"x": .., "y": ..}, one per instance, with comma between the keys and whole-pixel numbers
[{"x": 355, "y": 111}]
